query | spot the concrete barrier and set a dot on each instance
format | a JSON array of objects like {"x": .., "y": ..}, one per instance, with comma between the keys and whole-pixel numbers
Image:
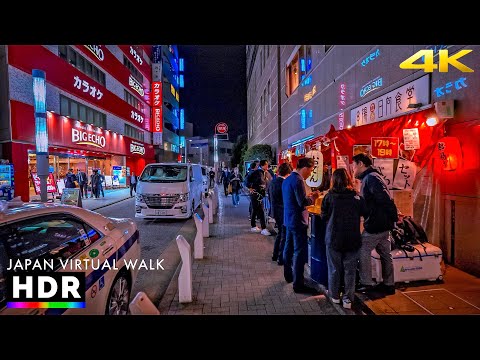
[
  {"x": 206, "y": 227},
  {"x": 142, "y": 305},
  {"x": 198, "y": 242},
  {"x": 185, "y": 276}
]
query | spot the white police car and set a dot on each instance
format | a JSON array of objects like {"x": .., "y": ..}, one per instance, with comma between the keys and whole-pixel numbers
[{"x": 56, "y": 233}]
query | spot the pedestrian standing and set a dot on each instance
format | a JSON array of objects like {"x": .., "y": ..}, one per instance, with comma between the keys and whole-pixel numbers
[
  {"x": 258, "y": 191},
  {"x": 236, "y": 182},
  {"x": 342, "y": 208},
  {"x": 82, "y": 183},
  {"x": 133, "y": 183},
  {"x": 380, "y": 219},
  {"x": 70, "y": 179},
  {"x": 276, "y": 200},
  {"x": 295, "y": 253}
]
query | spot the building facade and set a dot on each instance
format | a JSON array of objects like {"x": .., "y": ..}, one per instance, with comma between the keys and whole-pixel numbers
[
  {"x": 319, "y": 86},
  {"x": 202, "y": 151},
  {"x": 99, "y": 101}
]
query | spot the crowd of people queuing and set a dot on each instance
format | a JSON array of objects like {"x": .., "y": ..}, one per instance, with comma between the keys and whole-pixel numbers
[
  {"x": 80, "y": 180},
  {"x": 347, "y": 248}
]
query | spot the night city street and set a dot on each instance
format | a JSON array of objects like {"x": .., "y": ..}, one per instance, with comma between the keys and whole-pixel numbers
[{"x": 239, "y": 180}]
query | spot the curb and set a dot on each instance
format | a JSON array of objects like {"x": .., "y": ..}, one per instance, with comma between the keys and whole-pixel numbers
[{"x": 115, "y": 202}]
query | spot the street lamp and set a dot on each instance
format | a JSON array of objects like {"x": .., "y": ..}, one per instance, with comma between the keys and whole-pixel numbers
[{"x": 41, "y": 129}]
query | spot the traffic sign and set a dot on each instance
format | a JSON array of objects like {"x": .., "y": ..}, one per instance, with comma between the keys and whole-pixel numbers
[{"x": 221, "y": 128}]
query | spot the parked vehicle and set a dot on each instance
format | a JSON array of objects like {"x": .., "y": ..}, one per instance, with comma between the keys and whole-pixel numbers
[
  {"x": 168, "y": 190},
  {"x": 60, "y": 233}
]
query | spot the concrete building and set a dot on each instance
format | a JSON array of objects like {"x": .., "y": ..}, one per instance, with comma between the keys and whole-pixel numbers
[
  {"x": 201, "y": 150},
  {"x": 318, "y": 86}
]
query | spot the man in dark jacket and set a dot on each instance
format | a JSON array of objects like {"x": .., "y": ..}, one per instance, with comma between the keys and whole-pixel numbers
[
  {"x": 258, "y": 189},
  {"x": 377, "y": 225},
  {"x": 247, "y": 184},
  {"x": 296, "y": 221},
  {"x": 225, "y": 179},
  {"x": 276, "y": 200},
  {"x": 82, "y": 183},
  {"x": 70, "y": 180}
]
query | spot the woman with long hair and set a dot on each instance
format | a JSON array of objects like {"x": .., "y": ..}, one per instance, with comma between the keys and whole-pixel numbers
[{"x": 342, "y": 208}]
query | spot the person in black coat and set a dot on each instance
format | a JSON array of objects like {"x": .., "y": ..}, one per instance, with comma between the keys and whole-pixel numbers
[
  {"x": 70, "y": 180},
  {"x": 342, "y": 208},
  {"x": 225, "y": 179},
  {"x": 276, "y": 200},
  {"x": 236, "y": 181}
]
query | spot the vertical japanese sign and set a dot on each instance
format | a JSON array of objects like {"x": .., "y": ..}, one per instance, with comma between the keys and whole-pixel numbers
[
  {"x": 315, "y": 179},
  {"x": 385, "y": 166},
  {"x": 405, "y": 175},
  {"x": 411, "y": 139},
  {"x": 385, "y": 147},
  {"x": 157, "y": 112},
  {"x": 342, "y": 101},
  {"x": 51, "y": 188}
]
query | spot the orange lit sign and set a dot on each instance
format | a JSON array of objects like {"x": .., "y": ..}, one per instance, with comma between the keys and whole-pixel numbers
[
  {"x": 385, "y": 147},
  {"x": 310, "y": 94}
]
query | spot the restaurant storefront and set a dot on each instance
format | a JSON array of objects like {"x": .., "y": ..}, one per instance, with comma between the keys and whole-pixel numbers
[{"x": 72, "y": 144}]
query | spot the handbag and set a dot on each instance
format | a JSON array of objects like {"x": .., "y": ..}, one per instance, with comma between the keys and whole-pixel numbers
[{"x": 229, "y": 188}]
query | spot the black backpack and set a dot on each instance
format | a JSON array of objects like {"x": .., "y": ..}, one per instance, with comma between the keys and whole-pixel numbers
[{"x": 414, "y": 232}]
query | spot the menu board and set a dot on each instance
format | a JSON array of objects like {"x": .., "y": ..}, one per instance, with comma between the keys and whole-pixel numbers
[{"x": 71, "y": 197}]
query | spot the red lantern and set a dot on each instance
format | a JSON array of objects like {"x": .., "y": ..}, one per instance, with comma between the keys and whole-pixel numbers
[{"x": 450, "y": 152}]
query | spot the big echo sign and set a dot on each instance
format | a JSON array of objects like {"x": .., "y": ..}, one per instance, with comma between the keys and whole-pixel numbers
[{"x": 221, "y": 128}]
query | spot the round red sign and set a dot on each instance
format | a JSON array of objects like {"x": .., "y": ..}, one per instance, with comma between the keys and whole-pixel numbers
[{"x": 221, "y": 128}]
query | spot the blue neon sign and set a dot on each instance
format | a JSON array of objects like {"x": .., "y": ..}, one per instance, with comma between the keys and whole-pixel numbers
[
  {"x": 181, "y": 65},
  {"x": 181, "y": 80},
  {"x": 371, "y": 57},
  {"x": 303, "y": 119},
  {"x": 182, "y": 141},
  {"x": 302, "y": 65},
  {"x": 371, "y": 86},
  {"x": 182, "y": 119},
  {"x": 40, "y": 108},
  {"x": 306, "y": 81}
]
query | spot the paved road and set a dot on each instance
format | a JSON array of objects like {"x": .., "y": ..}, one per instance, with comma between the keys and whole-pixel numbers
[{"x": 155, "y": 238}]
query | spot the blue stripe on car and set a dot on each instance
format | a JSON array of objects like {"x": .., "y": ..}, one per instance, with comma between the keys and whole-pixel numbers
[{"x": 95, "y": 275}]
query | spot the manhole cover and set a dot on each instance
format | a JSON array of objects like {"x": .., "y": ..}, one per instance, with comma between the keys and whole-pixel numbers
[{"x": 441, "y": 302}]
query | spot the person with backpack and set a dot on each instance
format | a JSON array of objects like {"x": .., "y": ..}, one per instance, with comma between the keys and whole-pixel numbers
[
  {"x": 380, "y": 219},
  {"x": 341, "y": 210}
]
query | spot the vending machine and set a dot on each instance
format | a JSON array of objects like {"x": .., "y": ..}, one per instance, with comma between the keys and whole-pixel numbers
[{"x": 7, "y": 184}]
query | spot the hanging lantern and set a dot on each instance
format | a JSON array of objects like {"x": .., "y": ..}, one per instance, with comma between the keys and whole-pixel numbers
[{"x": 449, "y": 152}]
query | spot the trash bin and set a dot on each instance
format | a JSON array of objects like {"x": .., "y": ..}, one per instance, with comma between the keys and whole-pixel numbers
[{"x": 318, "y": 253}]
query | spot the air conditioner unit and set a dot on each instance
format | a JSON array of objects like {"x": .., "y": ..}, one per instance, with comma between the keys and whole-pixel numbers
[{"x": 444, "y": 109}]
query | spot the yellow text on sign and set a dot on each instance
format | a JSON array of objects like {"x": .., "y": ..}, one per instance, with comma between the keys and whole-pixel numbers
[{"x": 443, "y": 61}]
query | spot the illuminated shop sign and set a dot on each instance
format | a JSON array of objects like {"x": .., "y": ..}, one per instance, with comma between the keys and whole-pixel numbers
[
  {"x": 310, "y": 94},
  {"x": 87, "y": 88},
  {"x": 306, "y": 81},
  {"x": 393, "y": 103},
  {"x": 371, "y": 57},
  {"x": 81, "y": 135},
  {"x": 40, "y": 107},
  {"x": 136, "y": 116},
  {"x": 137, "y": 148},
  {"x": 157, "y": 119},
  {"x": 136, "y": 56},
  {"x": 458, "y": 84},
  {"x": 135, "y": 85},
  {"x": 97, "y": 51},
  {"x": 342, "y": 101},
  {"x": 157, "y": 93},
  {"x": 371, "y": 86}
]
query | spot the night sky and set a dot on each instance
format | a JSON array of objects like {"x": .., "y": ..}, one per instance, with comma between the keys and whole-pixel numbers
[{"x": 215, "y": 88}]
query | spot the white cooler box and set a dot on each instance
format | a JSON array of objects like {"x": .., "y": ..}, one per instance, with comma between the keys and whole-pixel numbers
[{"x": 421, "y": 264}]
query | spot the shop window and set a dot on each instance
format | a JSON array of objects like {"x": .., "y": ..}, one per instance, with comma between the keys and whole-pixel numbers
[
  {"x": 133, "y": 70},
  {"x": 293, "y": 75},
  {"x": 81, "y": 63},
  {"x": 134, "y": 132},
  {"x": 132, "y": 100},
  {"x": 77, "y": 111}
]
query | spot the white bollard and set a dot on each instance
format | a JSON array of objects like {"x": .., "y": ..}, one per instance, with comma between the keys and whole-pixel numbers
[
  {"x": 206, "y": 227},
  {"x": 198, "y": 242},
  {"x": 210, "y": 210},
  {"x": 142, "y": 305},
  {"x": 185, "y": 276}
]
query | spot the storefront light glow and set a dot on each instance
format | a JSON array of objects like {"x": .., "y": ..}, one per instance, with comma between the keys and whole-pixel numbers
[
  {"x": 182, "y": 119},
  {"x": 432, "y": 121},
  {"x": 40, "y": 108},
  {"x": 181, "y": 64}
]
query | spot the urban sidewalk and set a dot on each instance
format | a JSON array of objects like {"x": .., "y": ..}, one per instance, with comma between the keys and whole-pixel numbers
[
  {"x": 237, "y": 275},
  {"x": 457, "y": 294},
  {"x": 112, "y": 196}
]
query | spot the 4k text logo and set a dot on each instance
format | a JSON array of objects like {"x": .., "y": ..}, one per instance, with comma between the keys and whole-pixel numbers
[{"x": 443, "y": 61}]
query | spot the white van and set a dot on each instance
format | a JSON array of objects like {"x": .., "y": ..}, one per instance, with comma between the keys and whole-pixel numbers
[{"x": 168, "y": 190}]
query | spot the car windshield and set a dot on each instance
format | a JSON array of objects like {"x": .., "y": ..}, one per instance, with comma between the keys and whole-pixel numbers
[{"x": 164, "y": 173}]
